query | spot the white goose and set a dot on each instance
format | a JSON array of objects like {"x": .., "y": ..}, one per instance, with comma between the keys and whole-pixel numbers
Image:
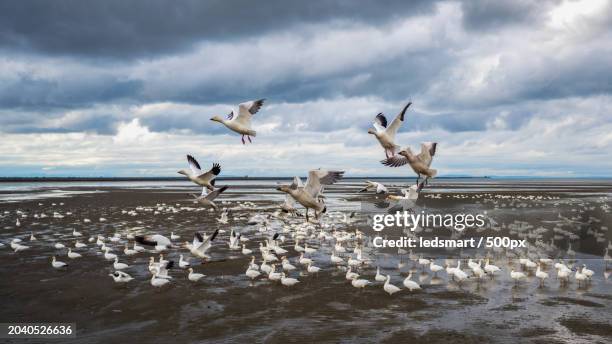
[
  {"x": 386, "y": 135},
  {"x": 241, "y": 124},
  {"x": 246, "y": 251},
  {"x": 183, "y": 263},
  {"x": 419, "y": 163},
  {"x": 350, "y": 275},
  {"x": 410, "y": 284},
  {"x": 194, "y": 276},
  {"x": 158, "y": 282},
  {"x": 57, "y": 264},
  {"x": 309, "y": 195},
  {"x": 490, "y": 268},
  {"x": 252, "y": 274},
  {"x": 129, "y": 252},
  {"x": 119, "y": 266},
  {"x": 433, "y": 267},
  {"x": 199, "y": 177},
  {"x": 379, "y": 277},
  {"x": 202, "y": 243},
  {"x": 158, "y": 241},
  {"x": 517, "y": 275},
  {"x": 360, "y": 283},
  {"x": 108, "y": 255},
  {"x": 313, "y": 269},
  {"x": 379, "y": 188},
  {"x": 121, "y": 277},
  {"x": 542, "y": 275},
  {"x": 73, "y": 255},
  {"x": 303, "y": 260},
  {"x": 390, "y": 288},
  {"x": 288, "y": 281},
  {"x": 206, "y": 199}
]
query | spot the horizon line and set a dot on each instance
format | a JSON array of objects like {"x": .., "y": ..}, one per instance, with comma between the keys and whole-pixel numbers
[{"x": 162, "y": 178}]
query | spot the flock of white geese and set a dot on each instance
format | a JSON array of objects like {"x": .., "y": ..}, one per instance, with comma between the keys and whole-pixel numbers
[{"x": 291, "y": 249}]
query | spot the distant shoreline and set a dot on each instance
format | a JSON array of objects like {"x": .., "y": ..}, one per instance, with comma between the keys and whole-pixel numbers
[
  {"x": 128, "y": 179},
  {"x": 120, "y": 179}
]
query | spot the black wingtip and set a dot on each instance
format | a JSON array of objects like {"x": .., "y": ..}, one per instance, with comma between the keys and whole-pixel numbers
[
  {"x": 404, "y": 111},
  {"x": 214, "y": 235},
  {"x": 216, "y": 169},
  {"x": 199, "y": 236},
  {"x": 169, "y": 265},
  {"x": 223, "y": 188},
  {"x": 143, "y": 240},
  {"x": 275, "y": 236},
  {"x": 382, "y": 119}
]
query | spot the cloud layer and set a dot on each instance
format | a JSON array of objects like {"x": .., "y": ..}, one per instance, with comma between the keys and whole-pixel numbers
[{"x": 506, "y": 88}]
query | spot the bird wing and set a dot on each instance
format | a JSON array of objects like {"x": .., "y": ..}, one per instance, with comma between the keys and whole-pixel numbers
[
  {"x": 380, "y": 122},
  {"x": 428, "y": 150},
  {"x": 297, "y": 183},
  {"x": 369, "y": 185},
  {"x": 212, "y": 173},
  {"x": 161, "y": 240},
  {"x": 395, "y": 161},
  {"x": 318, "y": 178},
  {"x": 145, "y": 240},
  {"x": 204, "y": 243},
  {"x": 247, "y": 110},
  {"x": 289, "y": 201},
  {"x": 214, "y": 194},
  {"x": 194, "y": 165},
  {"x": 397, "y": 122}
]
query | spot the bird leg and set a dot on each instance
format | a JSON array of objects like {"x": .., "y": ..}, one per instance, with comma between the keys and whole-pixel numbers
[
  {"x": 243, "y": 139},
  {"x": 248, "y": 137},
  {"x": 306, "y": 215},
  {"x": 387, "y": 153}
]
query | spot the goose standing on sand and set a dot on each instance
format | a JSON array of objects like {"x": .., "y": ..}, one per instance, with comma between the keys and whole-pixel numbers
[
  {"x": 410, "y": 284},
  {"x": 390, "y": 288},
  {"x": 194, "y": 276},
  {"x": 420, "y": 163},
  {"x": 378, "y": 187},
  {"x": 207, "y": 198},
  {"x": 57, "y": 264},
  {"x": 158, "y": 282},
  {"x": 288, "y": 281},
  {"x": 196, "y": 175},
  {"x": 241, "y": 124},
  {"x": 386, "y": 135},
  {"x": 309, "y": 195}
]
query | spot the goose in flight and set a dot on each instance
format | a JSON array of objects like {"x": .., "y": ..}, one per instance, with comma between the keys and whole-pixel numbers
[
  {"x": 308, "y": 195},
  {"x": 378, "y": 187},
  {"x": 386, "y": 134},
  {"x": 160, "y": 242},
  {"x": 196, "y": 175},
  {"x": 207, "y": 198},
  {"x": 241, "y": 123},
  {"x": 201, "y": 244},
  {"x": 420, "y": 163}
]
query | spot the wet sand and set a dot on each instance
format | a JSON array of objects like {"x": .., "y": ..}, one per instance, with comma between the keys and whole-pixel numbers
[{"x": 226, "y": 306}]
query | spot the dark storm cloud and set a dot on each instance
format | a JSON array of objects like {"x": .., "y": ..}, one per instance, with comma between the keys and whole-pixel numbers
[
  {"x": 493, "y": 14},
  {"x": 65, "y": 92},
  {"x": 120, "y": 28}
]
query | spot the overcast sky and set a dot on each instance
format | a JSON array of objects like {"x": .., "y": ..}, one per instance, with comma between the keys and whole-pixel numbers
[{"x": 126, "y": 88}]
